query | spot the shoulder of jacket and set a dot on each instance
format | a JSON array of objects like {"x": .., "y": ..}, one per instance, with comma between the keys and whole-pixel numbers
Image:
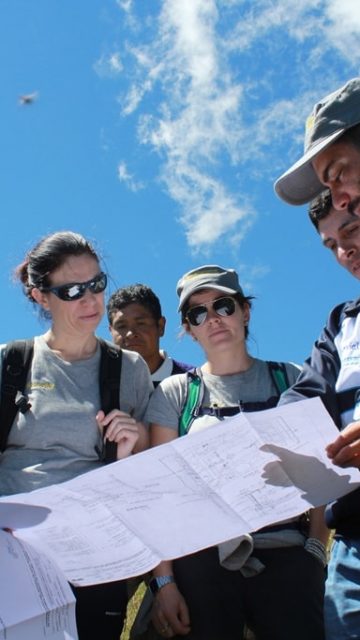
[{"x": 337, "y": 314}]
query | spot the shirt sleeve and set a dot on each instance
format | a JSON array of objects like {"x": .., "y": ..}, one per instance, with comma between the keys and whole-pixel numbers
[
  {"x": 167, "y": 401},
  {"x": 135, "y": 385},
  {"x": 320, "y": 371}
]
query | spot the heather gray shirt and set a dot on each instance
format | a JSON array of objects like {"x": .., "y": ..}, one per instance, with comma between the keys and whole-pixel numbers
[
  {"x": 253, "y": 385},
  {"x": 58, "y": 438}
]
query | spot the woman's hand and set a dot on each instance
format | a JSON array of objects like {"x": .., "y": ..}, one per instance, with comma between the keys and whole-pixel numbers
[
  {"x": 170, "y": 615},
  {"x": 121, "y": 428},
  {"x": 345, "y": 450}
]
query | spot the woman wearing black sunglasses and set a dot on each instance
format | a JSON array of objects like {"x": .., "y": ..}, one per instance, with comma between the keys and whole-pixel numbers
[
  {"x": 278, "y": 590},
  {"x": 62, "y": 434}
]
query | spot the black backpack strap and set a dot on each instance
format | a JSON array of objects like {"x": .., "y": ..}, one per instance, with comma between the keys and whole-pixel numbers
[
  {"x": 109, "y": 383},
  {"x": 16, "y": 363},
  {"x": 279, "y": 376}
]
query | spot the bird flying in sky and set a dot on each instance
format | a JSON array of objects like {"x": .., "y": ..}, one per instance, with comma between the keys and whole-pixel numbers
[{"x": 28, "y": 98}]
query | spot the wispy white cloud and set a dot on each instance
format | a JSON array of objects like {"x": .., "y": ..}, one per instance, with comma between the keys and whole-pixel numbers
[
  {"x": 198, "y": 119},
  {"x": 344, "y": 27},
  {"x": 209, "y": 211},
  {"x": 130, "y": 102},
  {"x": 201, "y": 103},
  {"x": 109, "y": 65},
  {"x": 251, "y": 274},
  {"x": 322, "y": 26},
  {"x": 126, "y": 5},
  {"x": 319, "y": 38},
  {"x": 127, "y": 178}
]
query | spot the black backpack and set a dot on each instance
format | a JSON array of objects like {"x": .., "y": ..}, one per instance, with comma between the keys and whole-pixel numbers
[{"x": 15, "y": 368}]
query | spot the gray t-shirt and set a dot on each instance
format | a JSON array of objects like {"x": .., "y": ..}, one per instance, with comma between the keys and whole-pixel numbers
[
  {"x": 58, "y": 438},
  {"x": 253, "y": 385}
]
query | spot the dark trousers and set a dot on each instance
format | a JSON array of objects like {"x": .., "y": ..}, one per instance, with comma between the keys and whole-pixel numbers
[
  {"x": 100, "y": 610},
  {"x": 283, "y": 602}
]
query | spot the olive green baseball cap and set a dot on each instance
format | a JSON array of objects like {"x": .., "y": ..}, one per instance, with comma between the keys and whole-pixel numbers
[
  {"x": 330, "y": 118},
  {"x": 209, "y": 276}
]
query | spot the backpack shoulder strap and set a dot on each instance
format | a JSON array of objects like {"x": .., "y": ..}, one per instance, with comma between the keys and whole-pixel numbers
[
  {"x": 193, "y": 400},
  {"x": 279, "y": 376},
  {"x": 195, "y": 394},
  {"x": 16, "y": 363},
  {"x": 109, "y": 383}
]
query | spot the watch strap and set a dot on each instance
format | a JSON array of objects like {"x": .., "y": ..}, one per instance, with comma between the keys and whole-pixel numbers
[{"x": 159, "y": 582}]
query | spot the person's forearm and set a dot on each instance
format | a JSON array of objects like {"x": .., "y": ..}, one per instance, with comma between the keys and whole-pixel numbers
[
  {"x": 144, "y": 438},
  {"x": 163, "y": 569},
  {"x": 317, "y": 540},
  {"x": 318, "y": 528}
]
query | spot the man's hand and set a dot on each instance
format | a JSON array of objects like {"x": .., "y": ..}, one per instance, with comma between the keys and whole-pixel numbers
[
  {"x": 345, "y": 450},
  {"x": 170, "y": 614}
]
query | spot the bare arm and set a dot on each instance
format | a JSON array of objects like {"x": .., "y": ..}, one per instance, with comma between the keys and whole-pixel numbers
[
  {"x": 317, "y": 542},
  {"x": 160, "y": 434},
  {"x": 318, "y": 528},
  {"x": 170, "y": 614}
]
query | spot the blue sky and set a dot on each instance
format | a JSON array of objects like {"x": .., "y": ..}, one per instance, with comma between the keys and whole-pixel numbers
[{"x": 157, "y": 131}]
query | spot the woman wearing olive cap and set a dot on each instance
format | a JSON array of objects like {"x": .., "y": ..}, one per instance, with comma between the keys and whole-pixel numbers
[{"x": 278, "y": 590}]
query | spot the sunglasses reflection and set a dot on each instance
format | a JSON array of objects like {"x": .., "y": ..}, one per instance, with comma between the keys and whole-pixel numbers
[
  {"x": 223, "y": 307},
  {"x": 77, "y": 290}
]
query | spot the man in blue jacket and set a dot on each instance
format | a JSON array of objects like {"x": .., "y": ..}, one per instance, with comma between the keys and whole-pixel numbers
[{"x": 333, "y": 373}]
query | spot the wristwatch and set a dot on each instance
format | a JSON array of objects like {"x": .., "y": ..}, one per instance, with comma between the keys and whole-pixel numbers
[{"x": 158, "y": 583}]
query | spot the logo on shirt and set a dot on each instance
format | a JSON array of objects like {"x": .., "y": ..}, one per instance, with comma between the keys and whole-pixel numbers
[{"x": 41, "y": 385}]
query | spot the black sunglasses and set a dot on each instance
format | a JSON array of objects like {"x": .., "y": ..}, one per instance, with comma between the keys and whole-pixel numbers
[
  {"x": 222, "y": 306},
  {"x": 76, "y": 290}
]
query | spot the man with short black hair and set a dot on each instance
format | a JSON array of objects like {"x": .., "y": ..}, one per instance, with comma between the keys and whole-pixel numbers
[
  {"x": 136, "y": 323},
  {"x": 331, "y": 153}
]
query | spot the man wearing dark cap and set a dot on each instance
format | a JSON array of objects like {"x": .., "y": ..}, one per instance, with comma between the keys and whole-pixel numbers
[
  {"x": 332, "y": 159},
  {"x": 331, "y": 153}
]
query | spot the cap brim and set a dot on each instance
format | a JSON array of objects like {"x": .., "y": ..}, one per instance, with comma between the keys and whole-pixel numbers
[
  {"x": 206, "y": 286},
  {"x": 300, "y": 184}
]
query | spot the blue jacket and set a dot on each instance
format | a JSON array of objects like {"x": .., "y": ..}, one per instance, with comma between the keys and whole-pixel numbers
[{"x": 333, "y": 373}]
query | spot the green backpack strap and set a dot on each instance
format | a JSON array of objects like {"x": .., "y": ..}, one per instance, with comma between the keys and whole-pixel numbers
[
  {"x": 279, "y": 376},
  {"x": 195, "y": 393},
  {"x": 194, "y": 396}
]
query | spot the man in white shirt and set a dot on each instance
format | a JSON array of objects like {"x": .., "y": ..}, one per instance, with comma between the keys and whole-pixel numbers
[{"x": 136, "y": 323}]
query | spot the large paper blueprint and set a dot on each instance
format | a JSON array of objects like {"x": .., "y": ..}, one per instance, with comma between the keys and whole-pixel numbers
[
  {"x": 36, "y": 600},
  {"x": 235, "y": 477}
]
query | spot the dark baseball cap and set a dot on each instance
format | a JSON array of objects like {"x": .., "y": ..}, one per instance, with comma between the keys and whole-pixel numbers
[
  {"x": 330, "y": 118},
  {"x": 210, "y": 276}
]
